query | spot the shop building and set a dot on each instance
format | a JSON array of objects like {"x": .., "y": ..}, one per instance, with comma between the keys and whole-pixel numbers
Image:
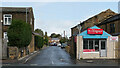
[
  {"x": 95, "y": 43},
  {"x": 94, "y": 20}
]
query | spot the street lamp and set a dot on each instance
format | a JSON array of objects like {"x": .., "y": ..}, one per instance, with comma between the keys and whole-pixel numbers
[{"x": 79, "y": 27}]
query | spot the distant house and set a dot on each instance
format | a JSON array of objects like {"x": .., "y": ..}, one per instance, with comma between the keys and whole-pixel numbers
[
  {"x": 54, "y": 40},
  {"x": 19, "y": 13}
]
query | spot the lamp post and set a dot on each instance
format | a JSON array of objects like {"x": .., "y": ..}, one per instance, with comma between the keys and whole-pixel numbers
[{"x": 79, "y": 29}]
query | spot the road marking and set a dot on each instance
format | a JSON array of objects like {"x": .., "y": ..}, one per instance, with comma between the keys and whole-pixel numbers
[{"x": 52, "y": 62}]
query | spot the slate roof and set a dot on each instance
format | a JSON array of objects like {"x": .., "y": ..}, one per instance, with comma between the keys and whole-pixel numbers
[
  {"x": 54, "y": 39},
  {"x": 14, "y": 9}
]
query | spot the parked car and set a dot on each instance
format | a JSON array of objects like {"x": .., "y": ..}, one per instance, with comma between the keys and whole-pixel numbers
[
  {"x": 59, "y": 45},
  {"x": 63, "y": 45},
  {"x": 55, "y": 44}
]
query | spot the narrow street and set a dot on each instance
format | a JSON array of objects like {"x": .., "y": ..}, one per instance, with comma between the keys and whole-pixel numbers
[{"x": 52, "y": 55}]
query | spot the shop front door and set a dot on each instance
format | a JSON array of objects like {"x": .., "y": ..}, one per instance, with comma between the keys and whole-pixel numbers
[{"x": 103, "y": 51}]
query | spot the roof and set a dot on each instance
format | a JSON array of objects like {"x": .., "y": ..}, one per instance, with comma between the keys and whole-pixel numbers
[
  {"x": 54, "y": 39},
  {"x": 116, "y": 17},
  {"x": 85, "y": 35},
  {"x": 15, "y": 9},
  {"x": 108, "y": 10}
]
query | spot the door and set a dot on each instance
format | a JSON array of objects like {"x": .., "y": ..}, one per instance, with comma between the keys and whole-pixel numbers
[{"x": 103, "y": 49}]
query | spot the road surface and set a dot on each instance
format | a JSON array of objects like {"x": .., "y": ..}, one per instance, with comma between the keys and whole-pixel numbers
[{"x": 52, "y": 55}]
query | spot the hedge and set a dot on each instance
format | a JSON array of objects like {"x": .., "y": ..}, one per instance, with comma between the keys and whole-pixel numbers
[{"x": 39, "y": 41}]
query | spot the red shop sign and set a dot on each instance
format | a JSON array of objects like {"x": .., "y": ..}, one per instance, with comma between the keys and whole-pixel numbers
[
  {"x": 88, "y": 50},
  {"x": 94, "y": 31}
]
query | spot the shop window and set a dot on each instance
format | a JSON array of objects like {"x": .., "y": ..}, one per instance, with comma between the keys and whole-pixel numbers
[
  {"x": 85, "y": 45},
  {"x": 96, "y": 45},
  {"x": 90, "y": 44}
]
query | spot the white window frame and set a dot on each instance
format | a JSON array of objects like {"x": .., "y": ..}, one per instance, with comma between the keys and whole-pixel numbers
[
  {"x": 93, "y": 45},
  {"x": 31, "y": 21},
  {"x": 5, "y": 34},
  {"x": 7, "y": 19}
]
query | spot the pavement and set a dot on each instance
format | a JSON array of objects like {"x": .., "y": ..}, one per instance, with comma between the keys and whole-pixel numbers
[{"x": 21, "y": 60}]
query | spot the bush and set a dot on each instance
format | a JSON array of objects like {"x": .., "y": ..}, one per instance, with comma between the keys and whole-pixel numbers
[
  {"x": 19, "y": 34},
  {"x": 39, "y": 41}
]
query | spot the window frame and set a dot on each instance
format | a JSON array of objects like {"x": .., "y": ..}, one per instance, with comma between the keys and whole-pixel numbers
[
  {"x": 112, "y": 28},
  {"x": 93, "y": 44},
  {"x": 7, "y": 19},
  {"x": 5, "y": 33}
]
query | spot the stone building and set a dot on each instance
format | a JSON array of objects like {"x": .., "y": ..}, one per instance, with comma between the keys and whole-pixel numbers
[
  {"x": 95, "y": 43},
  {"x": 19, "y": 13},
  {"x": 97, "y": 19},
  {"x": 112, "y": 26}
]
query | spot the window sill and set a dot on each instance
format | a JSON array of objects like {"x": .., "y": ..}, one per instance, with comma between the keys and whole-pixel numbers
[
  {"x": 7, "y": 24},
  {"x": 90, "y": 52}
]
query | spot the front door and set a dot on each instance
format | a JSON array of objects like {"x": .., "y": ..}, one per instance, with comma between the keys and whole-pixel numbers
[{"x": 103, "y": 51}]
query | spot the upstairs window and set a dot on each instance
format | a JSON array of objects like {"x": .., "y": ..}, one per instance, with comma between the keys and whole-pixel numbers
[
  {"x": 7, "y": 19},
  {"x": 112, "y": 28}
]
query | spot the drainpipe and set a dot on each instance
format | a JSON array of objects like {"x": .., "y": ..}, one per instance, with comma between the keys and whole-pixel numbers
[{"x": 26, "y": 15}]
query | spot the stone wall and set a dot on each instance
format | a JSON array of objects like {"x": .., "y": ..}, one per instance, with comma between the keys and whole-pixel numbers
[
  {"x": 31, "y": 46},
  {"x": 110, "y": 48},
  {"x": 13, "y": 52}
]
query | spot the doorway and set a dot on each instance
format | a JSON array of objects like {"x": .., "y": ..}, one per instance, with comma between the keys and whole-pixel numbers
[{"x": 103, "y": 48}]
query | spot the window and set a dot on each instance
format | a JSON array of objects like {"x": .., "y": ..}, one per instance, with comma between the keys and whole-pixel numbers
[
  {"x": 91, "y": 44},
  {"x": 7, "y": 19},
  {"x": 31, "y": 21},
  {"x": 5, "y": 35},
  {"x": 96, "y": 45},
  {"x": 85, "y": 44},
  {"x": 112, "y": 28},
  {"x": 102, "y": 44}
]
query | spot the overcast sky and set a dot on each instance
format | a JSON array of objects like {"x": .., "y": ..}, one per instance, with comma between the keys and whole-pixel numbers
[{"x": 55, "y": 17}]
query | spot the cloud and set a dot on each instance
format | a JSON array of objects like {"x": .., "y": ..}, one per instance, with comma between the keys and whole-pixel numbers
[{"x": 56, "y": 26}]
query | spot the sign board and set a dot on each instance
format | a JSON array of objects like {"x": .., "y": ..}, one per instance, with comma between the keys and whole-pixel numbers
[
  {"x": 88, "y": 50},
  {"x": 114, "y": 38},
  {"x": 94, "y": 31}
]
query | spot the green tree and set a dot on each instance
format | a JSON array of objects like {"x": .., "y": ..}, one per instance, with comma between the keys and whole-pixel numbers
[
  {"x": 63, "y": 40},
  {"x": 40, "y": 32},
  {"x": 53, "y": 35},
  {"x": 19, "y": 34},
  {"x": 46, "y": 39}
]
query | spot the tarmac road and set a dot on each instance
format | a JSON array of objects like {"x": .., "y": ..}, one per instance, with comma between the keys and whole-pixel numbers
[{"x": 52, "y": 55}]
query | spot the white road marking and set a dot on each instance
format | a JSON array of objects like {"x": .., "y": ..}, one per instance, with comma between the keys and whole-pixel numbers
[{"x": 52, "y": 62}]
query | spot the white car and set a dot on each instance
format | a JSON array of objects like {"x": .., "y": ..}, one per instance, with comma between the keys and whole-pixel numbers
[{"x": 59, "y": 45}]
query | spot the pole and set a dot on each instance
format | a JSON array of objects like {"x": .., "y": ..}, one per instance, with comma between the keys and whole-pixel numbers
[{"x": 26, "y": 15}]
